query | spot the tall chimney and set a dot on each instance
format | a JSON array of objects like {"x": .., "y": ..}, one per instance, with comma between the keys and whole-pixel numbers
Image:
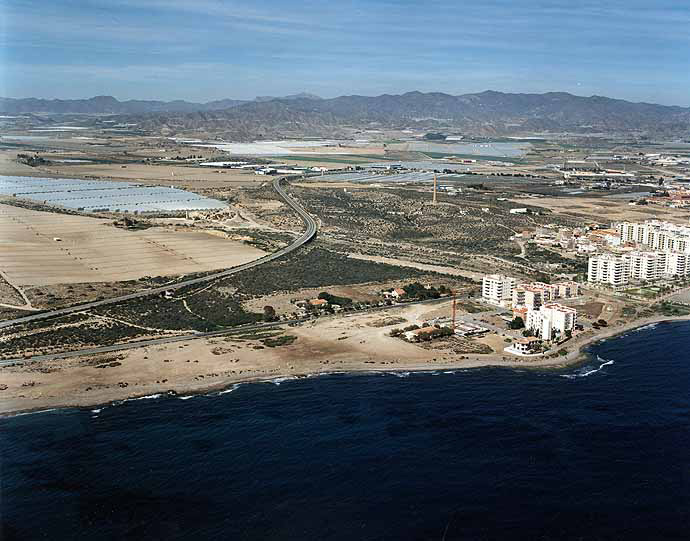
[{"x": 434, "y": 199}]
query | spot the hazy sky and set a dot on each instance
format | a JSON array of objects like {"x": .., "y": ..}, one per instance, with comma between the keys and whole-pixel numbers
[{"x": 209, "y": 49}]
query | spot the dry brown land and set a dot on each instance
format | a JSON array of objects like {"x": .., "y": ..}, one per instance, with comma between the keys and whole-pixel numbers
[
  {"x": 596, "y": 208},
  {"x": 421, "y": 266},
  {"x": 282, "y": 302},
  {"x": 189, "y": 177},
  {"x": 92, "y": 250}
]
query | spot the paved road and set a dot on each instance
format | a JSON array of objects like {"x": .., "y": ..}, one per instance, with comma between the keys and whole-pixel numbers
[
  {"x": 308, "y": 235},
  {"x": 187, "y": 337}
]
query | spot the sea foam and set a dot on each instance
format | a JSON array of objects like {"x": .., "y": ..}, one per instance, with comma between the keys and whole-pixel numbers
[{"x": 589, "y": 371}]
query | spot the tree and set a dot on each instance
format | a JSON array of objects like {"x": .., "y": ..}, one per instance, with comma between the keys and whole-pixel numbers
[
  {"x": 269, "y": 313},
  {"x": 517, "y": 323}
]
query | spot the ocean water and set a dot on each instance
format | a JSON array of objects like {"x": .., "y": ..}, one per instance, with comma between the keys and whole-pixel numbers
[{"x": 598, "y": 451}]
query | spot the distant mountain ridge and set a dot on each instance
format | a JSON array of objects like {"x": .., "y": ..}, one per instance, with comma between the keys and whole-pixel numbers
[
  {"x": 111, "y": 105},
  {"x": 484, "y": 113}
]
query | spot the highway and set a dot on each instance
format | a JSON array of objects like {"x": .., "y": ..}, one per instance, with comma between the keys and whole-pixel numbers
[{"x": 308, "y": 235}]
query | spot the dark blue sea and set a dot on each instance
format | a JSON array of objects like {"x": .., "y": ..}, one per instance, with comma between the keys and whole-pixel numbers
[{"x": 598, "y": 451}]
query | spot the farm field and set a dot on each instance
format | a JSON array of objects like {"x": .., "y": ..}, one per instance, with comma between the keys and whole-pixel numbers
[
  {"x": 93, "y": 250},
  {"x": 182, "y": 176},
  {"x": 596, "y": 208},
  {"x": 92, "y": 195}
]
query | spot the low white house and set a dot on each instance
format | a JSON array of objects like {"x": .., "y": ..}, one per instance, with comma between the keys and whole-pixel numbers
[
  {"x": 524, "y": 346},
  {"x": 418, "y": 334},
  {"x": 396, "y": 293}
]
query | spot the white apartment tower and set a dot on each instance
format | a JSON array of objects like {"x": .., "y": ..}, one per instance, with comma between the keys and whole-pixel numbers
[
  {"x": 609, "y": 269},
  {"x": 647, "y": 266},
  {"x": 658, "y": 235},
  {"x": 618, "y": 270},
  {"x": 678, "y": 264},
  {"x": 551, "y": 319},
  {"x": 498, "y": 289}
]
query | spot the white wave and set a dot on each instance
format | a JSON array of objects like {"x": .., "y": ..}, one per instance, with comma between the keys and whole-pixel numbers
[
  {"x": 33, "y": 412},
  {"x": 588, "y": 372},
  {"x": 399, "y": 374},
  {"x": 186, "y": 397},
  {"x": 99, "y": 410},
  {"x": 278, "y": 381},
  {"x": 147, "y": 397},
  {"x": 646, "y": 327},
  {"x": 229, "y": 390}
]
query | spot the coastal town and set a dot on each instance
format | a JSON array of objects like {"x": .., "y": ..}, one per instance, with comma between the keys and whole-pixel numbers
[
  {"x": 414, "y": 247},
  {"x": 344, "y": 271}
]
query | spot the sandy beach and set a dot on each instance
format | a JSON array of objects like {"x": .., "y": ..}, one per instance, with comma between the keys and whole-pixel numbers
[{"x": 356, "y": 343}]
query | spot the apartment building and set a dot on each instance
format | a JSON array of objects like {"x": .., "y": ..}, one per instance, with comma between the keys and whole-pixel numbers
[
  {"x": 609, "y": 269},
  {"x": 551, "y": 320},
  {"x": 498, "y": 289},
  {"x": 568, "y": 290},
  {"x": 647, "y": 266},
  {"x": 657, "y": 235},
  {"x": 530, "y": 296},
  {"x": 618, "y": 270},
  {"x": 535, "y": 294},
  {"x": 678, "y": 264}
]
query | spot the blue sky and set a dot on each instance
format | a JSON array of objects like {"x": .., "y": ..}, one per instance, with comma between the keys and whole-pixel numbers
[{"x": 210, "y": 49}]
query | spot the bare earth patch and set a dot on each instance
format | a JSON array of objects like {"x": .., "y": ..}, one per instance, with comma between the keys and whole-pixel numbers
[{"x": 43, "y": 248}]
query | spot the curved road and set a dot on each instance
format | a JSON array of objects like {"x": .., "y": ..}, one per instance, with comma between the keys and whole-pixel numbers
[{"x": 308, "y": 235}]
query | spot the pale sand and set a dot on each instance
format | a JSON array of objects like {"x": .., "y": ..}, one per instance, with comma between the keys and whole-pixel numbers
[{"x": 339, "y": 344}]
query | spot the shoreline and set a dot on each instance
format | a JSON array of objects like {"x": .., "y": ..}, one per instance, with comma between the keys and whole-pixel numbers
[{"x": 189, "y": 387}]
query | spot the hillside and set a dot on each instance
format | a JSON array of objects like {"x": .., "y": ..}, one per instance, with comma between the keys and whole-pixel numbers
[{"x": 485, "y": 113}]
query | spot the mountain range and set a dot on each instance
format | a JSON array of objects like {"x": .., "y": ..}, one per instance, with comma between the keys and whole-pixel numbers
[
  {"x": 110, "y": 105},
  {"x": 484, "y": 113}
]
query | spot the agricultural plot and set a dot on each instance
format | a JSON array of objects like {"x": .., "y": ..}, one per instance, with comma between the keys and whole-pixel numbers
[
  {"x": 383, "y": 178},
  {"x": 44, "y": 248},
  {"x": 600, "y": 210},
  {"x": 504, "y": 150},
  {"x": 101, "y": 195}
]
